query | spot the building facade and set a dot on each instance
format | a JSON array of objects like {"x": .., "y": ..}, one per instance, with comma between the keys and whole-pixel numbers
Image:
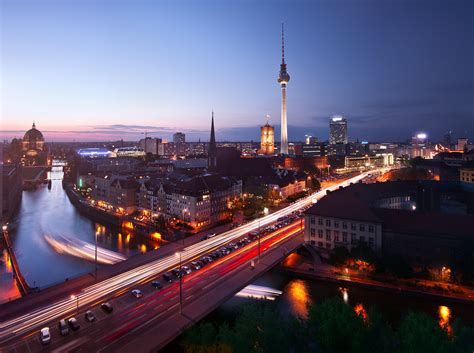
[
  {"x": 338, "y": 130},
  {"x": 413, "y": 220},
  {"x": 467, "y": 175},
  {"x": 267, "y": 139},
  {"x": 179, "y": 137}
]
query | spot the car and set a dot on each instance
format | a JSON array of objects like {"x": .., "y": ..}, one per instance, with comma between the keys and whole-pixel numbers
[
  {"x": 156, "y": 284},
  {"x": 73, "y": 324},
  {"x": 107, "y": 307},
  {"x": 63, "y": 327},
  {"x": 168, "y": 277},
  {"x": 177, "y": 272},
  {"x": 195, "y": 265},
  {"x": 137, "y": 293},
  {"x": 89, "y": 315},
  {"x": 186, "y": 270},
  {"x": 45, "y": 335}
]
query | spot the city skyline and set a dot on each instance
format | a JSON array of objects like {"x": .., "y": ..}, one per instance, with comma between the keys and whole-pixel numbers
[{"x": 374, "y": 83}]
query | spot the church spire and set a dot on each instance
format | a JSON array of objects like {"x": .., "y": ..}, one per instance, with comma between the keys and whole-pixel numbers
[
  {"x": 212, "y": 153},
  {"x": 34, "y": 125}
]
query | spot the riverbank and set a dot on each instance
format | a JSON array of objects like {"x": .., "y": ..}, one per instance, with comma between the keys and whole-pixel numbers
[{"x": 323, "y": 272}]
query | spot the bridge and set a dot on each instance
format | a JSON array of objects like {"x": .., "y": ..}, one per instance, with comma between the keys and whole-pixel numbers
[
  {"x": 167, "y": 311},
  {"x": 22, "y": 284}
]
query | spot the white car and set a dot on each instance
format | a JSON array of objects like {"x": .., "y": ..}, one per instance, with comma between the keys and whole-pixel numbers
[
  {"x": 45, "y": 336},
  {"x": 137, "y": 293}
]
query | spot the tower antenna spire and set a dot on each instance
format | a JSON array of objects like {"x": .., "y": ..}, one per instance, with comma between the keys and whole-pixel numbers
[{"x": 282, "y": 42}]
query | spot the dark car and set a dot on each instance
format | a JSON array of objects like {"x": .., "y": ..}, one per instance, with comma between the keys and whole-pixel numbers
[
  {"x": 156, "y": 284},
  {"x": 89, "y": 316},
  {"x": 107, "y": 307},
  {"x": 168, "y": 277},
  {"x": 73, "y": 324},
  {"x": 177, "y": 272}
]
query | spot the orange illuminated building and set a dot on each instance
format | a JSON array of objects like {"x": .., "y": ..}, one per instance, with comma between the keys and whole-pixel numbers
[{"x": 267, "y": 139}]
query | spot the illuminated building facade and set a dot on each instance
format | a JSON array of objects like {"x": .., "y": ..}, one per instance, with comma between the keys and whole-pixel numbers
[
  {"x": 337, "y": 130},
  {"x": 33, "y": 149},
  {"x": 267, "y": 139}
]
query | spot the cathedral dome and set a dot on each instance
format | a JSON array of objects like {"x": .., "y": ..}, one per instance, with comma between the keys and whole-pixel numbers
[{"x": 33, "y": 135}]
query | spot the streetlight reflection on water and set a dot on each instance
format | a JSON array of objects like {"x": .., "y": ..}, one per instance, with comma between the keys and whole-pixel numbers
[
  {"x": 444, "y": 314},
  {"x": 298, "y": 297}
]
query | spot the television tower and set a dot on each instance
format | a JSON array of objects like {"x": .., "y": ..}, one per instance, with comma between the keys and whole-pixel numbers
[{"x": 283, "y": 79}]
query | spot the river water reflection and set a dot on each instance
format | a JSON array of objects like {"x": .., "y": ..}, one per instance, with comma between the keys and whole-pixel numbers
[
  {"x": 48, "y": 211},
  {"x": 299, "y": 292}
]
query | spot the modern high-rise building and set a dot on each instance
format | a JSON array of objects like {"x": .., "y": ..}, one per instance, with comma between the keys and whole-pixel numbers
[
  {"x": 310, "y": 140},
  {"x": 152, "y": 145},
  {"x": 267, "y": 139},
  {"x": 283, "y": 79},
  {"x": 179, "y": 137},
  {"x": 462, "y": 142},
  {"x": 337, "y": 130}
]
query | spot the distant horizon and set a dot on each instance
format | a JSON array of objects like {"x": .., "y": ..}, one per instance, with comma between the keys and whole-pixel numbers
[{"x": 237, "y": 134}]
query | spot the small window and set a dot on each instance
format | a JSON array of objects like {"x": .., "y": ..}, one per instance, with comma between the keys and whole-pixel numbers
[
  {"x": 353, "y": 226},
  {"x": 328, "y": 222},
  {"x": 328, "y": 245},
  {"x": 328, "y": 234},
  {"x": 362, "y": 227},
  {"x": 344, "y": 237},
  {"x": 320, "y": 233},
  {"x": 362, "y": 239},
  {"x": 371, "y": 228},
  {"x": 336, "y": 235},
  {"x": 336, "y": 224},
  {"x": 313, "y": 232},
  {"x": 320, "y": 244},
  {"x": 320, "y": 221},
  {"x": 344, "y": 225},
  {"x": 371, "y": 242},
  {"x": 312, "y": 220}
]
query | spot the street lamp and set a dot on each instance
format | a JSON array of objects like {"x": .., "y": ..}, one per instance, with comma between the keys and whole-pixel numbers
[
  {"x": 5, "y": 227},
  {"x": 96, "y": 234},
  {"x": 180, "y": 285},
  {"x": 77, "y": 302}
]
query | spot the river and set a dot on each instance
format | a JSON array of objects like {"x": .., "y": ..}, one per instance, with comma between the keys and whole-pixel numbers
[{"x": 49, "y": 212}]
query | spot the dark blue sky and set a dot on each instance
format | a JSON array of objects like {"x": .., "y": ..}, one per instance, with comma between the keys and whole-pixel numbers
[{"x": 106, "y": 69}]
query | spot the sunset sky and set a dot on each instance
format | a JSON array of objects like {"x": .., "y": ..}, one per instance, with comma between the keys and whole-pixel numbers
[{"x": 105, "y": 70}]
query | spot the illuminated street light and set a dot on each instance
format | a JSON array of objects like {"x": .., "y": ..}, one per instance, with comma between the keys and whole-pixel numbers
[
  {"x": 265, "y": 210},
  {"x": 4, "y": 228},
  {"x": 77, "y": 302}
]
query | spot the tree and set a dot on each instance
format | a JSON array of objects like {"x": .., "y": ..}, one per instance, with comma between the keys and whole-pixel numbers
[
  {"x": 420, "y": 333},
  {"x": 339, "y": 256},
  {"x": 336, "y": 327},
  {"x": 200, "y": 339},
  {"x": 255, "y": 331},
  {"x": 398, "y": 266},
  {"x": 462, "y": 264}
]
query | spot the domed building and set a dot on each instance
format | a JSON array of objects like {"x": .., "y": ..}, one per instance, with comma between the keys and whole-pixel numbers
[{"x": 33, "y": 147}]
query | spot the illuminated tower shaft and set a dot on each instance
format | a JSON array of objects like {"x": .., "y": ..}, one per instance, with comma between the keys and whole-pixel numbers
[
  {"x": 284, "y": 127},
  {"x": 283, "y": 79}
]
